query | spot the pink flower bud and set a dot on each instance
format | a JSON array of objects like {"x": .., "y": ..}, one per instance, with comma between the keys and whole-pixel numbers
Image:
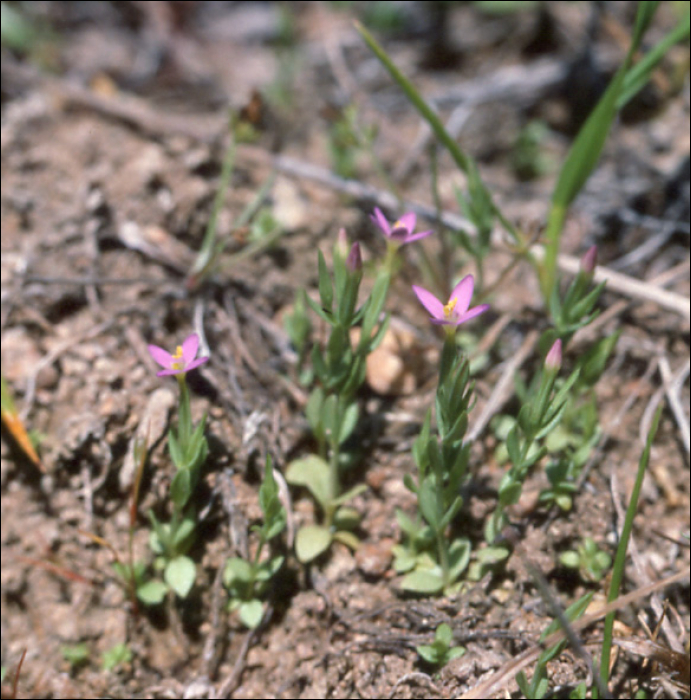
[
  {"x": 342, "y": 243},
  {"x": 589, "y": 260},
  {"x": 553, "y": 359},
  {"x": 354, "y": 259}
]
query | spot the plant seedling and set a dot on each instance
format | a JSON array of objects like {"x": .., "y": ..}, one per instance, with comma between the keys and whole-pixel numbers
[
  {"x": 440, "y": 652},
  {"x": 247, "y": 581}
]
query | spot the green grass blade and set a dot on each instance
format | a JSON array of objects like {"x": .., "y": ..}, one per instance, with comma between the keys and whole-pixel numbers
[
  {"x": 427, "y": 113},
  {"x": 620, "y": 558},
  {"x": 209, "y": 246},
  {"x": 461, "y": 159},
  {"x": 585, "y": 153},
  {"x": 640, "y": 74}
]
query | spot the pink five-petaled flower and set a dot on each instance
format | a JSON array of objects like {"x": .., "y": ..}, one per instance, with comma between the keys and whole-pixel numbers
[
  {"x": 402, "y": 230},
  {"x": 456, "y": 310},
  {"x": 183, "y": 359}
]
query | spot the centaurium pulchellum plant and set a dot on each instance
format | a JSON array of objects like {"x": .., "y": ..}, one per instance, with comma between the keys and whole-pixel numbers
[
  {"x": 541, "y": 412},
  {"x": 339, "y": 370},
  {"x": 248, "y": 579},
  {"x": 332, "y": 409},
  {"x": 188, "y": 450},
  {"x": 432, "y": 560}
]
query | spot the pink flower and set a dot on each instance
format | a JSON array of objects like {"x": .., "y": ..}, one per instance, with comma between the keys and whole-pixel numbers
[
  {"x": 183, "y": 359},
  {"x": 456, "y": 310},
  {"x": 402, "y": 230}
]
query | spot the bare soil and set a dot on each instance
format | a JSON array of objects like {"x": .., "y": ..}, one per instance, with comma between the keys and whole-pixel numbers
[{"x": 114, "y": 128}]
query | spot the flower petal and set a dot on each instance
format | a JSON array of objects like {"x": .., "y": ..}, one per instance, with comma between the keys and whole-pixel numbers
[
  {"x": 472, "y": 313},
  {"x": 190, "y": 345},
  {"x": 163, "y": 357},
  {"x": 417, "y": 236},
  {"x": 406, "y": 222},
  {"x": 430, "y": 302},
  {"x": 196, "y": 363},
  {"x": 463, "y": 293},
  {"x": 168, "y": 372},
  {"x": 381, "y": 221}
]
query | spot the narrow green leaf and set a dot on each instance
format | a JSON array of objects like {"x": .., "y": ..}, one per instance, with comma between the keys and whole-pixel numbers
[
  {"x": 348, "y": 422},
  {"x": 174, "y": 449},
  {"x": 429, "y": 505},
  {"x": 326, "y": 293},
  {"x": 180, "y": 488}
]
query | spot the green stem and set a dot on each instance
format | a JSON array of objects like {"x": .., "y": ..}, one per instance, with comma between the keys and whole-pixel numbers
[
  {"x": 448, "y": 355},
  {"x": 443, "y": 557},
  {"x": 185, "y": 415},
  {"x": 334, "y": 476}
]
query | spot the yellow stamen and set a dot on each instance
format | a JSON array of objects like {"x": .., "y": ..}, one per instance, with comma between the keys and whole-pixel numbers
[
  {"x": 448, "y": 309},
  {"x": 177, "y": 356}
]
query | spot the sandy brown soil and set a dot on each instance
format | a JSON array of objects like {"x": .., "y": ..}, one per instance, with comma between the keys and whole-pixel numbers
[{"x": 113, "y": 132}]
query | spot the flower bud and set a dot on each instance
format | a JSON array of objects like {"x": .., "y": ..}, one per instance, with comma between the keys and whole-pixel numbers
[
  {"x": 354, "y": 259},
  {"x": 589, "y": 260},
  {"x": 342, "y": 243},
  {"x": 553, "y": 359}
]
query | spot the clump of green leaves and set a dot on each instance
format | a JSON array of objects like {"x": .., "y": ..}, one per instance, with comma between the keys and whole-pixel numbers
[
  {"x": 245, "y": 580},
  {"x": 116, "y": 656},
  {"x": 441, "y": 651},
  {"x": 75, "y": 654},
  {"x": 591, "y": 561},
  {"x": 541, "y": 411},
  {"x": 332, "y": 410},
  {"x": 433, "y": 561}
]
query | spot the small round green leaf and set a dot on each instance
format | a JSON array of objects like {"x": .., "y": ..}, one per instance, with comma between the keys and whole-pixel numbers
[
  {"x": 428, "y": 582},
  {"x": 311, "y": 541},
  {"x": 152, "y": 592},
  {"x": 251, "y": 613},
  {"x": 180, "y": 574},
  {"x": 313, "y": 473}
]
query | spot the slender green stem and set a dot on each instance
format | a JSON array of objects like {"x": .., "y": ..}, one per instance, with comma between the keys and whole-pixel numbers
[
  {"x": 448, "y": 355},
  {"x": 334, "y": 459},
  {"x": 185, "y": 415},
  {"x": 443, "y": 553}
]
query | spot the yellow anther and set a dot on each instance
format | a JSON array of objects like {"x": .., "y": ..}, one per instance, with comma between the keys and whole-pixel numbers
[
  {"x": 177, "y": 356},
  {"x": 448, "y": 309}
]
